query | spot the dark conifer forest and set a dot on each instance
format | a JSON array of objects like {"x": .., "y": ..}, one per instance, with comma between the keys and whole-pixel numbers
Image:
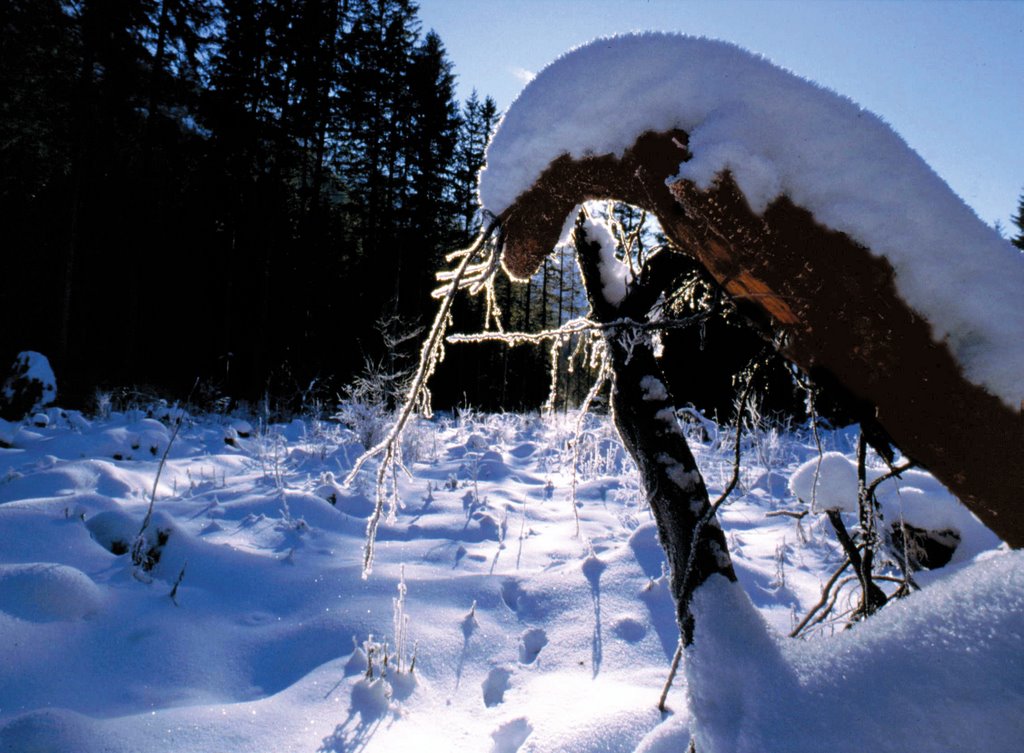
[
  {"x": 252, "y": 194},
  {"x": 248, "y": 200}
]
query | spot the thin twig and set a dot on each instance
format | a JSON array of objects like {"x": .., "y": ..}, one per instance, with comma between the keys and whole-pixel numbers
[
  {"x": 603, "y": 373},
  {"x": 468, "y": 274},
  {"x": 159, "y": 470},
  {"x": 713, "y": 509},
  {"x": 671, "y": 675},
  {"x": 140, "y": 539},
  {"x": 825, "y": 593},
  {"x": 575, "y": 326},
  {"x": 174, "y": 591}
]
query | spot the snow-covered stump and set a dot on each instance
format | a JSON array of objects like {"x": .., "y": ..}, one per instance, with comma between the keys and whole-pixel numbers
[
  {"x": 825, "y": 228},
  {"x": 644, "y": 413}
]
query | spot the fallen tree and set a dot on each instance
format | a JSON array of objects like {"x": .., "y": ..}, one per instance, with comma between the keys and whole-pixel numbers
[
  {"x": 853, "y": 259},
  {"x": 835, "y": 306},
  {"x": 849, "y": 255}
]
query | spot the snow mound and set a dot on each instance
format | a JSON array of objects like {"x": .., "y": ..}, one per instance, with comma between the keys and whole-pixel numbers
[
  {"x": 780, "y": 135},
  {"x": 828, "y": 482},
  {"x": 45, "y": 592},
  {"x": 924, "y": 670},
  {"x": 147, "y": 438},
  {"x": 51, "y": 730},
  {"x": 914, "y": 497}
]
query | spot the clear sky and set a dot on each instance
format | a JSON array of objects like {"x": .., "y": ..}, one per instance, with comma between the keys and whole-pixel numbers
[{"x": 948, "y": 75}]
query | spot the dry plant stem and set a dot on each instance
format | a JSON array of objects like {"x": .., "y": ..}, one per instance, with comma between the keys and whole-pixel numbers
[
  {"x": 676, "y": 657},
  {"x": 140, "y": 541},
  {"x": 156, "y": 481},
  {"x": 826, "y": 592},
  {"x": 174, "y": 591},
  {"x": 603, "y": 375},
  {"x": 744, "y": 398},
  {"x": 430, "y": 353}
]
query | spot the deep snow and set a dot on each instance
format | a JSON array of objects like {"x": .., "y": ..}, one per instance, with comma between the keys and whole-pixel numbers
[
  {"x": 525, "y": 637},
  {"x": 779, "y": 134}
]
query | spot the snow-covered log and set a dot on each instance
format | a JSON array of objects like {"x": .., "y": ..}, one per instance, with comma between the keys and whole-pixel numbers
[{"x": 813, "y": 214}]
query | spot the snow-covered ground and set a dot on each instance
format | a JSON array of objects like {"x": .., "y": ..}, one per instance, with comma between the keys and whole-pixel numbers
[{"x": 525, "y": 635}]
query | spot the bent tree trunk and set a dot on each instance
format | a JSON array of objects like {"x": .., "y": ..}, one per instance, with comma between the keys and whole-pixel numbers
[
  {"x": 645, "y": 417},
  {"x": 831, "y": 304}
]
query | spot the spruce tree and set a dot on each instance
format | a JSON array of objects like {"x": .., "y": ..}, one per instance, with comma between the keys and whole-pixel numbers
[{"x": 1018, "y": 220}]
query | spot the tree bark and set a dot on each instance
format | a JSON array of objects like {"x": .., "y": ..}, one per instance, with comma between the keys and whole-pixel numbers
[{"x": 645, "y": 415}]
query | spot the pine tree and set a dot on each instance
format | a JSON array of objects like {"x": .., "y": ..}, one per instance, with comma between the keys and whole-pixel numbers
[
  {"x": 478, "y": 122},
  {"x": 430, "y": 215},
  {"x": 1018, "y": 220}
]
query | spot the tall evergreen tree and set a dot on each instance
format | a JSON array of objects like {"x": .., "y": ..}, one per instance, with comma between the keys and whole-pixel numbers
[
  {"x": 1018, "y": 220},
  {"x": 433, "y": 134},
  {"x": 293, "y": 169},
  {"x": 478, "y": 122}
]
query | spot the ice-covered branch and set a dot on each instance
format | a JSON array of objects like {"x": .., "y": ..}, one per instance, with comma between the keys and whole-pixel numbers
[{"x": 476, "y": 264}]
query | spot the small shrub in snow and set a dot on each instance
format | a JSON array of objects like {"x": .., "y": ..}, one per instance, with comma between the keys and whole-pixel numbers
[{"x": 368, "y": 421}]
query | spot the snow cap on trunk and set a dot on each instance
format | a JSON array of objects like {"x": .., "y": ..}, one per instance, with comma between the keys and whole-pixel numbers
[
  {"x": 779, "y": 134},
  {"x": 615, "y": 275}
]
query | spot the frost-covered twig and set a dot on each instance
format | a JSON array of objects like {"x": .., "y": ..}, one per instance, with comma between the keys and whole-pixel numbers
[
  {"x": 140, "y": 538},
  {"x": 576, "y": 326},
  {"x": 470, "y": 274},
  {"x": 604, "y": 373}
]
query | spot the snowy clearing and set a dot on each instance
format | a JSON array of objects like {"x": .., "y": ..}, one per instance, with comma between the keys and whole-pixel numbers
[{"x": 524, "y": 637}]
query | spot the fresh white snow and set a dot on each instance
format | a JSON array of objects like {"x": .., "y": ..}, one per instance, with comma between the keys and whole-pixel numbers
[
  {"x": 828, "y": 482},
  {"x": 615, "y": 276},
  {"x": 779, "y": 134},
  {"x": 525, "y": 637}
]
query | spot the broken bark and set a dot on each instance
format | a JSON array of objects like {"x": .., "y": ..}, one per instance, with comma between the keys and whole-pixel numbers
[{"x": 831, "y": 304}]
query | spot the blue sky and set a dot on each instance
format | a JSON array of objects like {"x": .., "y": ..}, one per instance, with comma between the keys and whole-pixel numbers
[{"x": 949, "y": 76}]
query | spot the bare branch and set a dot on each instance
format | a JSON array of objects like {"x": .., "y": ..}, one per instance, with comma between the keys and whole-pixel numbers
[
  {"x": 574, "y": 327},
  {"x": 825, "y": 596},
  {"x": 470, "y": 274}
]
